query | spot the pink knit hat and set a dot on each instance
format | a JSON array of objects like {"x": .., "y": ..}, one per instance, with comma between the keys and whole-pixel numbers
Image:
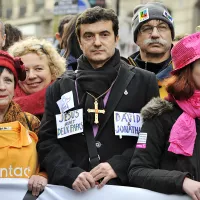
[{"x": 186, "y": 51}]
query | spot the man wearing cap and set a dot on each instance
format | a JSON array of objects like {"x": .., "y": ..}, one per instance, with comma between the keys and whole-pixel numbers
[{"x": 153, "y": 32}]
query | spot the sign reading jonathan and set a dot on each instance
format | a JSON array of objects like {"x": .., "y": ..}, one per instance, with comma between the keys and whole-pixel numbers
[{"x": 127, "y": 124}]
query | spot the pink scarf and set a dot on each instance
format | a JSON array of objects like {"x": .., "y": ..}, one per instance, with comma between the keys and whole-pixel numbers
[{"x": 183, "y": 133}]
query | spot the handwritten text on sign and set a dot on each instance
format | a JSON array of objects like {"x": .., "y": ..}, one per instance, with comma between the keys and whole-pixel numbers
[
  {"x": 127, "y": 124},
  {"x": 69, "y": 123}
]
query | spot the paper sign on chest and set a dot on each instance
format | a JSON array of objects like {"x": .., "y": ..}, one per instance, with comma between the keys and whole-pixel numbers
[
  {"x": 69, "y": 123},
  {"x": 127, "y": 124},
  {"x": 66, "y": 102}
]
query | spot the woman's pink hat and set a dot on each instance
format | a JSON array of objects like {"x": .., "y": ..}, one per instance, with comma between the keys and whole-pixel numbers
[{"x": 186, "y": 51}]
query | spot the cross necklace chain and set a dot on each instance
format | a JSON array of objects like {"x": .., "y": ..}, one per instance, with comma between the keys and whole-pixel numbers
[{"x": 96, "y": 110}]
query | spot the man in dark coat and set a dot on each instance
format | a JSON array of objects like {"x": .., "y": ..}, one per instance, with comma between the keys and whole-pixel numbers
[
  {"x": 114, "y": 89},
  {"x": 153, "y": 32}
]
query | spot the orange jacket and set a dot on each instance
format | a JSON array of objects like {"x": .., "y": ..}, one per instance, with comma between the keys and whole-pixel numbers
[{"x": 18, "y": 155}]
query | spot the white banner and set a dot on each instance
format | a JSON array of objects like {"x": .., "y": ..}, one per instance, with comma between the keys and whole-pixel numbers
[{"x": 15, "y": 189}]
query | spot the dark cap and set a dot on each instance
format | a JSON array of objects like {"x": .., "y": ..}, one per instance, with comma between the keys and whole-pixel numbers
[{"x": 150, "y": 11}]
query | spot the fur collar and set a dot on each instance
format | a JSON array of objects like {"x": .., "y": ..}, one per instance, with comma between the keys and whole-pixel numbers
[{"x": 155, "y": 108}]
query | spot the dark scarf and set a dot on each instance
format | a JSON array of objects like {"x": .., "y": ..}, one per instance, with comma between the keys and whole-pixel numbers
[
  {"x": 152, "y": 67},
  {"x": 96, "y": 82}
]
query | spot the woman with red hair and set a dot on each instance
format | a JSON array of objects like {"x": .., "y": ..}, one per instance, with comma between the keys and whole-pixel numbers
[{"x": 167, "y": 154}]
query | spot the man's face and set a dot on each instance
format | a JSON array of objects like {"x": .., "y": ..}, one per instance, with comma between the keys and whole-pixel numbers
[
  {"x": 154, "y": 37},
  {"x": 2, "y": 38},
  {"x": 98, "y": 42}
]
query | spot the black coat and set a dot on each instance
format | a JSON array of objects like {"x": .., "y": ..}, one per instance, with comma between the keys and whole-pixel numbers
[
  {"x": 155, "y": 168},
  {"x": 64, "y": 159}
]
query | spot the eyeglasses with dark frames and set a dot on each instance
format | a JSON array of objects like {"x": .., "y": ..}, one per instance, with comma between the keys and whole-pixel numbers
[{"x": 148, "y": 29}]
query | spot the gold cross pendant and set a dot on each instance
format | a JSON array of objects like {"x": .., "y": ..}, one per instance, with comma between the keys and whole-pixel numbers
[{"x": 96, "y": 111}]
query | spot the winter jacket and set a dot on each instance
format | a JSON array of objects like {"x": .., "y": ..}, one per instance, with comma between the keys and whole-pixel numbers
[
  {"x": 154, "y": 167},
  {"x": 65, "y": 158},
  {"x": 162, "y": 70}
]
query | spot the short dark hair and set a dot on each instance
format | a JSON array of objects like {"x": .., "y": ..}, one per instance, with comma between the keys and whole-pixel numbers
[
  {"x": 63, "y": 21},
  {"x": 181, "y": 85},
  {"x": 2, "y": 68},
  {"x": 96, "y": 14}
]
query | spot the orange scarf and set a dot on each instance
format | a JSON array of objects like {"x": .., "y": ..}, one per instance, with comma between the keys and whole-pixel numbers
[{"x": 14, "y": 113}]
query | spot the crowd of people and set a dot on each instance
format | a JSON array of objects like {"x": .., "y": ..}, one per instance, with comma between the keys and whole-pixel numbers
[{"x": 84, "y": 116}]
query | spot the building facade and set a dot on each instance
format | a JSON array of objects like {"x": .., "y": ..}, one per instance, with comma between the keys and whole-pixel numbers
[
  {"x": 35, "y": 17},
  {"x": 32, "y": 17}
]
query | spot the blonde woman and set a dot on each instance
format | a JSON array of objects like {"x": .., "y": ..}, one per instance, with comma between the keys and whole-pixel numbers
[{"x": 43, "y": 65}]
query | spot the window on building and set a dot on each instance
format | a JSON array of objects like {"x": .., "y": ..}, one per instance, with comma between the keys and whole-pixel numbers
[
  {"x": 8, "y": 13},
  {"x": 39, "y": 4},
  {"x": 6, "y": 9},
  {"x": 22, "y": 9}
]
